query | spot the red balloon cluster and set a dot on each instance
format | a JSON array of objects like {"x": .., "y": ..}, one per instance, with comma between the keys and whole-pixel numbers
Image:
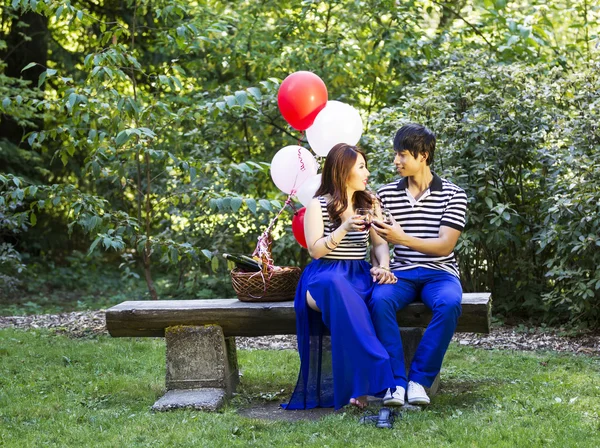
[
  {"x": 298, "y": 227},
  {"x": 302, "y": 95}
]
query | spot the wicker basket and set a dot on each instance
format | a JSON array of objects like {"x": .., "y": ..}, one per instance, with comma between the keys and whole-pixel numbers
[{"x": 273, "y": 286}]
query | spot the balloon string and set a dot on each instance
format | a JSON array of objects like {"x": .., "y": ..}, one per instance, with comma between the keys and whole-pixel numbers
[
  {"x": 263, "y": 250},
  {"x": 302, "y": 167},
  {"x": 301, "y": 138}
]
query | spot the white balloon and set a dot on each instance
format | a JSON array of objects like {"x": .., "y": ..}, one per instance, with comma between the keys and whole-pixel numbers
[
  {"x": 291, "y": 166},
  {"x": 336, "y": 123},
  {"x": 308, "y": 189}
]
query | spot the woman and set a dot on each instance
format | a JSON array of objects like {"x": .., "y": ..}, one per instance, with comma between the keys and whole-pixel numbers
[{"x": 334, "y": 290}]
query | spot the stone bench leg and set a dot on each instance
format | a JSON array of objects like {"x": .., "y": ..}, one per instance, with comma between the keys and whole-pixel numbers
[
  {"x": 202, "y": 370},
  {"x": 411, "y": 337}
]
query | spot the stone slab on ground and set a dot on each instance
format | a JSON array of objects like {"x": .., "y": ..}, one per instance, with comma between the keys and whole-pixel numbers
[{"x": 206, "y": 399}]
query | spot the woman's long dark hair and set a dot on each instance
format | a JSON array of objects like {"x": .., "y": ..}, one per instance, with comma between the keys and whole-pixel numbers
[{"x": 338, "y": 165}]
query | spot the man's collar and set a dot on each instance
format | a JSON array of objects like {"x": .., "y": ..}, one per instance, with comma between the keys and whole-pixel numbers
[{"x": 436, "y": 183}]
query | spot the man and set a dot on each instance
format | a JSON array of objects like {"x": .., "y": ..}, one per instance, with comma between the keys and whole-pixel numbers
[{"x": 429, "y": 216}]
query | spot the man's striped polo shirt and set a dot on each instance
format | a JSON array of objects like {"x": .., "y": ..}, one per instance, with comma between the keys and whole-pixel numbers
[{"x": 443, "y": 204}]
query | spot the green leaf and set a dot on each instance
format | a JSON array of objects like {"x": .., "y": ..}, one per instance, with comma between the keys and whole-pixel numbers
[
  {"x": 79, "y": 15},
  {"x": 489, "y": 202},
  {"x": 32, "y": 190},
  {"x": 94, "y": 244},
  {"x": 214, "y": 264},
  {"x": 122, "y": 137},
  {"x": 72, "y": 99},
  {"x": 32, "y": 219},
  {"x": 265, "y": 204},
  {"x": 192, "y": 174},
  {"x": 28, "y": 66},
  {"x": 6, "y": 102},
  {"x": 41, "y": 79},
  {"x": 94, "y": 222},
  {"x": 251, "y": 204},
  {"x": 31, "y": 138},
  {"x": 235, "y": 204},
  {"x": 174, "y": 254},
  {"x": 96, "y": 168},
  {"x": 230, "y": 100},
  {"x": 207, "y": 253},
  {"x": 241, "y": 97},
  {"x": 164, "y": 80},
  {"x": 255, "y": 92}
]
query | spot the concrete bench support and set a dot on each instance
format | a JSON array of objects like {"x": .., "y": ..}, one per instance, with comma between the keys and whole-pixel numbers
[{"x": 202, "y": 369}]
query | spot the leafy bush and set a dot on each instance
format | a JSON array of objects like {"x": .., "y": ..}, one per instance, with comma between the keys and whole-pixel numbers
[{"x": 523, "y": 141}]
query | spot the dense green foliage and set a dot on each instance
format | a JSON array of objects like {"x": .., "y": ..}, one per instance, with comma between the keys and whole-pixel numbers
[
  {"x": 56, "y": 391},
  {"x": 146, "y": 129}
]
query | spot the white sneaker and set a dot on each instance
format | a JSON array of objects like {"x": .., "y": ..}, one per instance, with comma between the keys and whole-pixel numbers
[
  {"x": 396, "y": 398},
  {"x": 416, "y": 394}
]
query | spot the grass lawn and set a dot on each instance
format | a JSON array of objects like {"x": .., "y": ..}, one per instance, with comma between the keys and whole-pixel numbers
[{"x": 56, "y": 391}]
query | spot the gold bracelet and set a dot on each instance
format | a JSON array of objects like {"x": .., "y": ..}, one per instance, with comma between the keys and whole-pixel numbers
[
  {"x": 327, "y": 244},
  {"x": 330, "y": 241},
  {"x": 385, "y": 268},
  {"x": 333, "y": 241}
]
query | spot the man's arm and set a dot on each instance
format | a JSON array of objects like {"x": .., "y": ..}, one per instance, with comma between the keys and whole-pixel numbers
[
  {"x": 442, "y": 246},
  {"x": 451, "y": 225}
]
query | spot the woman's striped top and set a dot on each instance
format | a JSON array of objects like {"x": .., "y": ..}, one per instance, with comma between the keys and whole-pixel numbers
[{"x": 352, "y": 247}]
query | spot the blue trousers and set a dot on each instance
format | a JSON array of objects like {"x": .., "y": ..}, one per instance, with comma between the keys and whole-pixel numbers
[{"x": 441, "y": 292}]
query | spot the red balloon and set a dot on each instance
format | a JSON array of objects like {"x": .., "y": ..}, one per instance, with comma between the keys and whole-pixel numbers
[
  {"x": 298, "y": 227},
  {"x": 301, "y": 96}
]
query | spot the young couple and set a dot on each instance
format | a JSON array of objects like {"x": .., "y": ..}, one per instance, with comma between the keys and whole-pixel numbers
[{"x": 356, "y": 302}]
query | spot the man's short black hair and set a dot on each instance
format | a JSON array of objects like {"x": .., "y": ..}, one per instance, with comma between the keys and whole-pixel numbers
[{"x": 416, "y": 139}]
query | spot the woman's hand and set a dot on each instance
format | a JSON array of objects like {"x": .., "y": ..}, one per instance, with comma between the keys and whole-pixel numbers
[
  {"x": 354, "y": 223},
  {"x": 383, "y": 276}
]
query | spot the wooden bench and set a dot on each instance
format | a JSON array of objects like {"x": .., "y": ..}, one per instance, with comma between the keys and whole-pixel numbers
[{"x": 202, "y": 368}]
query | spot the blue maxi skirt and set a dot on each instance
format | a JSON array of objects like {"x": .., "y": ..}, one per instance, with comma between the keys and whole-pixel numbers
[{"x": 352, "y": 362}]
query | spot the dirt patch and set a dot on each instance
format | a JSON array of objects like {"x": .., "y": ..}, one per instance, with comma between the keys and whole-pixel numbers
[{"x": 273, "y": 411}]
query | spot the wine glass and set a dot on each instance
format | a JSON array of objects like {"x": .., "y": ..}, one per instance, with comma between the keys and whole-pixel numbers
[
  {"x": 386, "y": 216},
  {"x": 367, "y": 215}
]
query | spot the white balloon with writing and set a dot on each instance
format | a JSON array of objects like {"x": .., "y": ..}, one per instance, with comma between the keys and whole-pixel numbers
[{"x": 291, "y": 166}]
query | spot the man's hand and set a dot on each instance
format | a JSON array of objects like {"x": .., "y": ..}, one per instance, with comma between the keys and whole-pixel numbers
[
  {"x": 383, "y": 276},
  {"x": 392, "y": 233}
]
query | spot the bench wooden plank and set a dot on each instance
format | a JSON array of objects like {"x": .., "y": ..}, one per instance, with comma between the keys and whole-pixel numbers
[{"x": 150, "y": 318}]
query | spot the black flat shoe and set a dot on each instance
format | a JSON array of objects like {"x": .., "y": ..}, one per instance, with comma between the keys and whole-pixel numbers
[{"x": 385, "y": 418}]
